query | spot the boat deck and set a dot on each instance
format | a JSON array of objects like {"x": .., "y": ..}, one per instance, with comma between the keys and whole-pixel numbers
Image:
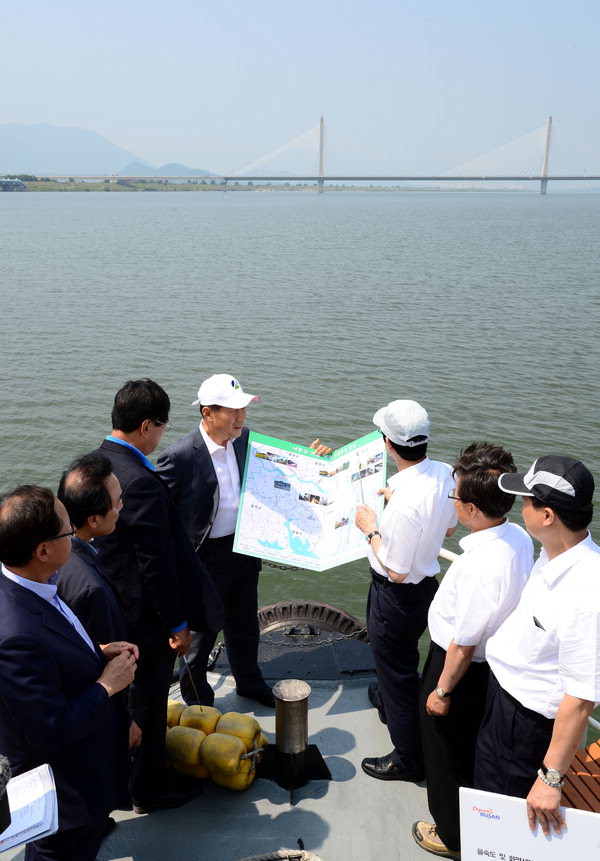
[{"x": 351, "y": 816}]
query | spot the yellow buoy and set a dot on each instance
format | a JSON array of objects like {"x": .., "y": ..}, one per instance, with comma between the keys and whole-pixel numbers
[
  {"x": 240, "y": 780},
  {"x": 241, "y": 726},
  {"x": 200, "y": 771},
  {"x": 174, "y": 712},
  {"x": 184, "y": 745},
  {"x": 222, "y": 753},
  {"x": 200, "y": 717}
]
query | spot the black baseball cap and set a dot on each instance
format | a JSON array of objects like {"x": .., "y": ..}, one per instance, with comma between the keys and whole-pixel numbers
[{"x": 557, "y": 481}]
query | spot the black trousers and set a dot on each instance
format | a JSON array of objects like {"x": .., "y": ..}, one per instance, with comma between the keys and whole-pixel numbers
[
  {"x": 511, "y": 745},
  {"x": 396, "y": 618},
  {"x": 73, "y": 844},
  {"x": 148, "y": 696},
  {"x": 449, "y": 741},
  {"x": 236, "y": 579}
]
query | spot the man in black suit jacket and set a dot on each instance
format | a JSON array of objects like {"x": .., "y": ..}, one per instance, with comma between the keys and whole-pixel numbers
[
  {"x": 204, "y": 470},
  {"x": 57, "y": 687},
  {"x": 151, "y": 563},
  {"x": 91, "y": 493}
]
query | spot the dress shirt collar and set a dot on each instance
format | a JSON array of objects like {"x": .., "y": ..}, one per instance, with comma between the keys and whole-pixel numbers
[
  {"x": 408, "y": 473},
  {"x": 467, "y": 542},
  {"x": 135, "y": 450},
  {"x": 87, "y": 545},
  {"x": 47, "y": 591},
  {"x": 211, "y": 445},
  {"x": 552, "y": 569}
]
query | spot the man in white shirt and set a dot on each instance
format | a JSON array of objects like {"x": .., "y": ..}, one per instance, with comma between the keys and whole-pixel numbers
[
  {"x": 480, "y": 589},
  {"x": 402, "y": 553},
  {"x": 204, "y": 471},
  {"x": 545, "y": 658}
]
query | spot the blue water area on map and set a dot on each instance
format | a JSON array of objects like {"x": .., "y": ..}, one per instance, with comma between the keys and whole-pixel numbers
[
  {"x": 270, "y": 545},
  {"x": 298, "y": 545},
  {"x": 284, "y": 500}
]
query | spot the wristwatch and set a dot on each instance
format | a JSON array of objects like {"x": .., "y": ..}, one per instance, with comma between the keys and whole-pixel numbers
[
  {"x": 442, "y": 693},
  {"x": 372, "y": 534},
  {"x": 550, "y": 776}
]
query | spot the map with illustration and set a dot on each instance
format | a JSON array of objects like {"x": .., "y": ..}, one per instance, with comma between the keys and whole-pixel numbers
[{"x": 298, "y": 508}]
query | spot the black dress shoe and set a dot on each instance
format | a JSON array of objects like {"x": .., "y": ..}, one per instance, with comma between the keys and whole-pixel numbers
[
  {"x": 171, "y": 799},
  {"x": 383, "y": 768},
  {"x": 265, "y": 697},
  {"x": 375, "y": 700}
]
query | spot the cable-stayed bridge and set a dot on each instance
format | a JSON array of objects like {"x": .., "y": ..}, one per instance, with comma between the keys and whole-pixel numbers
[{"x": 303, "y": 159}]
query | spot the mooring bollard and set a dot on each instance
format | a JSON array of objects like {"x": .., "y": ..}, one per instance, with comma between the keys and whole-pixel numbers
[{"x": 291, "y": 732}]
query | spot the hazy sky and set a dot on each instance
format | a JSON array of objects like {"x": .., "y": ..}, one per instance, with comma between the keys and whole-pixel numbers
[{"x": 216, "y": 85}]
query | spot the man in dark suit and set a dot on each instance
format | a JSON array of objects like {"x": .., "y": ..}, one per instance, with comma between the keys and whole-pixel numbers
[
  {"x": 57, "y": 687},
  {"x": 91, "y": 493},
  {"x": 204, "y": 471},
  {"x": 151, "y": 563}
]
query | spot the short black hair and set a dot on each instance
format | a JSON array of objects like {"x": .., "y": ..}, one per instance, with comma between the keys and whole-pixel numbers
[
  {"x": 138, "y": 400},
  {"x": 82, "y": 489},
  {"x": 576, "y": 521},
  {"x": 27, "y": 518},
  {"x": 408, "y": 452},
  {"x": 479, "y": 466}
]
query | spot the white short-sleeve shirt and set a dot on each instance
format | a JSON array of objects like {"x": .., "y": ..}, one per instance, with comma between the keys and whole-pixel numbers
[
  {"x": 550, "y": 645},
  {"x": 481, "y": 588},
  {"x": 415, "y": 520}
]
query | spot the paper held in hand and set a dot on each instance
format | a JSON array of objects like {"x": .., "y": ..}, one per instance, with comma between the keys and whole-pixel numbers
[
  {"x": 495, "y": 827},
  {"x": 298, "y": 508},
  {"x": 33, "y": 807}
]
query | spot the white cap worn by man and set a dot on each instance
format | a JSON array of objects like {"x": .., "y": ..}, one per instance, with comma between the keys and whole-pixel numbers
[{"x": 402, "y": 552}]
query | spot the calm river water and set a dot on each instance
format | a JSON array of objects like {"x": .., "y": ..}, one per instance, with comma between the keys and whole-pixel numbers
[{"x": 484, "y": 307}]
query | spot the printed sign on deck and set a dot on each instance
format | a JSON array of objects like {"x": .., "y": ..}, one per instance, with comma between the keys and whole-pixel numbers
[{"x": 495, "y": 827}]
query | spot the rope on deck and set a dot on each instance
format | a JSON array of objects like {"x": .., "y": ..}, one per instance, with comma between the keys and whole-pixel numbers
[{"x": 286, "y": 854}]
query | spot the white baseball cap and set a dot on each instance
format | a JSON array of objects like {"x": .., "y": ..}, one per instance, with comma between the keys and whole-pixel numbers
[
  {"x": 223, "y": 391},
  {"x": 401, "y": 421}
]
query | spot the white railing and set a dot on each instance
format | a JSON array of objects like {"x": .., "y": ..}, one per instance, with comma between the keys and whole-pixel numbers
[{"x": 448, "y": 555}]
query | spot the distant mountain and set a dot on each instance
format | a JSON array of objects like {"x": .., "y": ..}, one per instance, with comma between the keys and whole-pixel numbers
[
  {"x": 137, "y": 168},
  {"x": 42, "y": 149}
]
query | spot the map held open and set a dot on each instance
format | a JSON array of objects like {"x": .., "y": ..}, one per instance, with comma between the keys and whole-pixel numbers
[{"x": 298, "y": 508}]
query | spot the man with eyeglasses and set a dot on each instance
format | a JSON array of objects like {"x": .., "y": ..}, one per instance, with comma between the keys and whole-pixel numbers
[
  {"x": 479, "y": 590},
  {"x": 57, "y": 686},
  {"x": 91, "y": 493},
  {"x": 402, "y": 552},
  {"x": 151, "y": 563}
]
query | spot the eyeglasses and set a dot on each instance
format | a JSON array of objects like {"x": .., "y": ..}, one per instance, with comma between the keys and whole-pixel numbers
[
  {"x": 166, "y": 424},
  {"x": 64, "y": 534},
  {"x": 452, "y": 496}
]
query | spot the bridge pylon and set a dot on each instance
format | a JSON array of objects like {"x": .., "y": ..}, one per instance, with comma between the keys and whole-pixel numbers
[
  {"x": 321, "y": 154},
  {"x": 544, "y": 180}
]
